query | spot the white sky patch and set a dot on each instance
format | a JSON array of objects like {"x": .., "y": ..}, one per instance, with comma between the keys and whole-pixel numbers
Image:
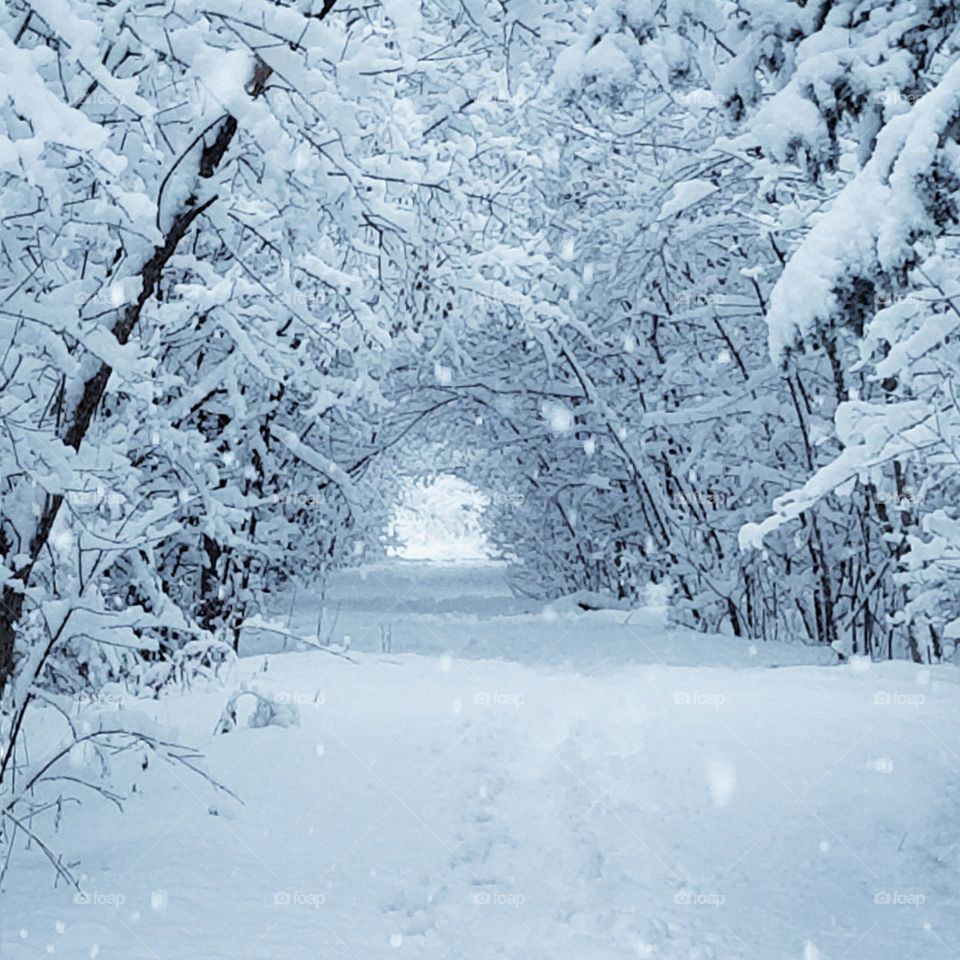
[{"x": 440, "y": 521}]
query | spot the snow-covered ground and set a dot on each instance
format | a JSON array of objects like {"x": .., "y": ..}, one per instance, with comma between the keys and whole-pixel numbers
[
  {"x": 467, "y": 610},
  {"x": 509, "y": 782}
]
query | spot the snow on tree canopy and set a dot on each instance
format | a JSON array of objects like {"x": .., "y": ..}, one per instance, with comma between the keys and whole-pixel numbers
[{"x": 870, "y": 232}]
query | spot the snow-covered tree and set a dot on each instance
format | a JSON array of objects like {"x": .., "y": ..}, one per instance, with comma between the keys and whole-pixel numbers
[{"x": 217, "y": 224}]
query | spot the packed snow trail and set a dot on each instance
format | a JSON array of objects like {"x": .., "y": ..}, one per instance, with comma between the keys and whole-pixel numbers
[{"x": 447, "y": 799}]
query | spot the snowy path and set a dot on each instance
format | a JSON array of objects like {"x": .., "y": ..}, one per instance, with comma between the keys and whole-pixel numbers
[{"x": 436, "y": 805}]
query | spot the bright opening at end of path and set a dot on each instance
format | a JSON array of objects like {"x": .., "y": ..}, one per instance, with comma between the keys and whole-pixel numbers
[{"x": 440, "y": 519}]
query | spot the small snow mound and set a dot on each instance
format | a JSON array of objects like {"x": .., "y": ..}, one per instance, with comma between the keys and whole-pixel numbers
[
  {"x": 722, "y": 780},
  {"x": 860, "y": 664},
  {"x": 270, "y": 710},
  {"x": 810, "y": 951}
]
